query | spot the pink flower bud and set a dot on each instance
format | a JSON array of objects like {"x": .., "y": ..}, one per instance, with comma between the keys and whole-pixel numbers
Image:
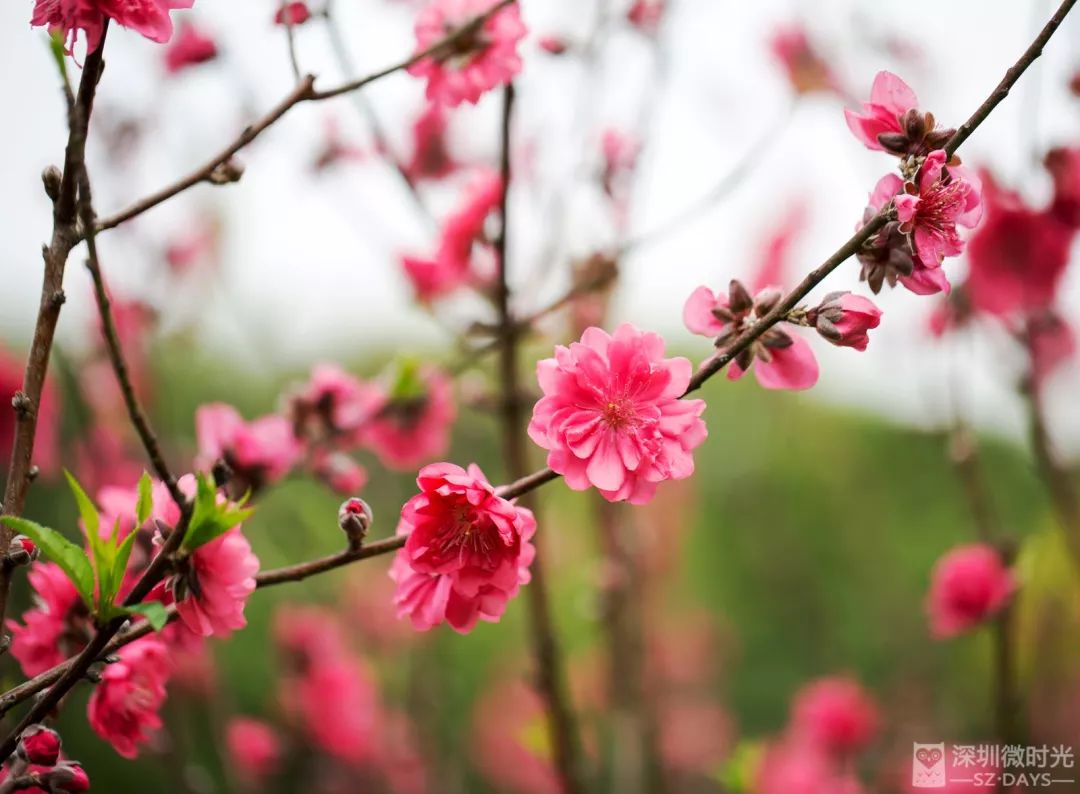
[
  {"x": 969, "y": 585},
  {"x": 40, "y": 745},
  {"x": 553, "y": 45},
  {"x": 836, "y": 714},
  {"x": 22, "y": 551},
  {"x": 68, "y": 777},
  {"x": 844, "y": 319},
  {"x": 292, "y": 14},
  {"x": 354, "y": 518}
]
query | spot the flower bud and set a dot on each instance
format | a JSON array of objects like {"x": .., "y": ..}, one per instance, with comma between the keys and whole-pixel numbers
[
  {"x": 845, "y": 319},
  {"x": 51, "y": 178},
  {"x": 739, "y": 299},
  {"x": 40, "y": 745},
  {"x": 69, "y": 777},
  {"x": 553, "y": 45},
  {"x": 22, "y": 551},
  {"x": 354, "y": 518}
]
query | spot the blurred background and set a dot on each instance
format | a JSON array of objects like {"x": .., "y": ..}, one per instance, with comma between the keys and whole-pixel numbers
[{"x": 803, "y": 546}]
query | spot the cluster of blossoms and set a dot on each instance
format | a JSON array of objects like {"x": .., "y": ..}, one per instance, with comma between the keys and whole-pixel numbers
[
  {"x": 37, "y": 766},
  {"x": 932, "y": 196},
  {"x": 67, "y": 17},
  {"x": 483, "y": 56},
  {"x": 467, "y": 551},
  {"x": 832, "y": 721}
]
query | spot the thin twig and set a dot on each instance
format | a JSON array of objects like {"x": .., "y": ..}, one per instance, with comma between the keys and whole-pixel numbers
[
  {"x": 303, "y": 92},
  {"x": 562, "y": 722},
  {"x": 290, "y": 36}
]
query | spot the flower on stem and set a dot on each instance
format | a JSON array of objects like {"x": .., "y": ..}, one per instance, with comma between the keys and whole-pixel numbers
[
  {"x": 57, "y": 627},
  {"x": 67, "y": 17},
  {"x": 254, "y": 749},
  {"x": 890, "y": 121},
  {"x": 410, "y": 423},
  {"x": 931, "y": 207},
  {"x": 483, "y": 57},
  {"x": 780, "y": 358},
  {"x": 40, "y": 745},
  {"x": 295, "y": 13},
  {"x": 191, "y": 47},
  {"x": 807, "y": 71},
  {"x": 124, "y": 707},
  {"x": 331, "y": 408},
  {"x": 611, "y": 416},
  {"x": 845, "y": 319},
  {"x": 969, "y": 585},
  {"x": 257, "y": 453},
  {"x": 468, "y": 551}
]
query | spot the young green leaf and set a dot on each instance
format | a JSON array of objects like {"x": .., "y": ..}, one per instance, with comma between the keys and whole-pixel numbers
[
  {"x": 146, "y": 499},
  {"x": 71, "y": 558},
  {"x": 209, "y": 519},
  {"x": 154, "y": 612},
  {"x": 87, "y": 511},
  {"x": 123, "y": 554}
]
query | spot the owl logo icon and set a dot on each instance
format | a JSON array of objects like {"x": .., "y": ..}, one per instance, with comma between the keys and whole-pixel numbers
[{"x": 928, "y": 765}]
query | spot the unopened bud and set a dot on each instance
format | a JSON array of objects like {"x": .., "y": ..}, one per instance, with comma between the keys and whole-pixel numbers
[
  {"x": 51, "y": 179},
  {"x": 766, "y": 301},
  {"x": 68, "y": 777},
  {"x": 354, "y": 518},
  {"x": 739, "y": 299},
  {"x": 40, "y": 745},
  {"x": 222, "y": 473},
  {"x": 22, "y": 551},
  {"x": 227, "y": 172}
]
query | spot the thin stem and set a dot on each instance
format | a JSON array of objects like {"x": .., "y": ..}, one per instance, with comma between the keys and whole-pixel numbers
[
  {"x": 303, "y": 92},
  {"x": 64, "y": 234},
  {"x": 290, "y": 36},
  {"x": 562, "y": 723}
]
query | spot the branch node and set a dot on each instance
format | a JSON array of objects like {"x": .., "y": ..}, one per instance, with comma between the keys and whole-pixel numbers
[
  {"x": 23, "y": 405},
  {"x": 51, "y": 179}
]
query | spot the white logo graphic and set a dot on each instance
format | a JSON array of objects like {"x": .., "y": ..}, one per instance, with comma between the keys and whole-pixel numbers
[{"x": 928, "y": 765}]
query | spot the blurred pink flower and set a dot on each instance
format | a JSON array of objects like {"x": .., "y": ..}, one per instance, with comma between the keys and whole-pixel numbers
[
  {"x": 339, "y": 472},
  {"x": 646, "y": 15},
  {"x": 775, "y": 251},
  {"x": 123, "y": 709},
  {"x": 611, "y": 416},
  {"x": 835, "y": 714},
  {"x": 213, "y": 585},
  {"x": 335, "y": 150},
  {"x": 1017, "y": 255},
  {"x": 292, "y": 14},
  {"x": 258, "y": 453},
  {"x": 890, "y": 101},
  {"x": 254, "y": 749},
  {"x": 47, "y": 437},
  {"x": 1063, "y": 163},
  {"x": 969, "y": 585},
  {"x": 1051, "y": 342},
  {"x": 510, "y": 742},
  {"x": 56, "y": 627},
  {"x": 945, "y": 197},
  {"x": 413, "y": 426},
  {"x": 332, "y": 406},
  {"x": 695, "y": 735},
  {"x": 478, "y": 61},
  {"x": 467, "y": 553},
  {"x": 430, "y": 157},
  {"x": 791, "y": 766},
  {"x": 190, "y": 47},
  {"x": 552, "y": 45},
  {"x": 147, "y": 17},
  {"x": 807, "y": 71}
]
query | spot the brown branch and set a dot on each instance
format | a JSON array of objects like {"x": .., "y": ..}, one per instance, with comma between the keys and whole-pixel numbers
[
  {"x": 303, "y": 92},
  {"x": 27, "y": 402},
  {"x": 551, "y": 681}
]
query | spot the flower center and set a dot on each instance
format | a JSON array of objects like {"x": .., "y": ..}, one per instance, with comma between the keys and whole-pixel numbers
[{"x": 619, "y": 413}]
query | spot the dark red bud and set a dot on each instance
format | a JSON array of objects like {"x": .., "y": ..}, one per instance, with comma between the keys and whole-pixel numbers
[{"x": 40, "y": 745}]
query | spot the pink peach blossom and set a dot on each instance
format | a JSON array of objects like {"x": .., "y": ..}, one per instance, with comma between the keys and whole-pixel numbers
[
  {"x": 945, "y": 197},
  {"x": 969, "y": 585},
  {"x": 147, "y": 17},
  {"x": 646, "y": 15},
  {"x": 254, "y": 748},
  {"x": 468, "y": 550},
  {"x": 791, "y": 365},
  {"x": 339, "y": 472},
  {"x": 214, "y": 583},
  {"x": 509, "y": 740},
  {"x": 430, "y": 157},
  {"x": 845, "y": 319},
  {"x": 611, "y": 416},
  {"x": 295, "y": 13},
  {"x": 190, "y": 47},
  {"x": 413, "y": 428},
  {"x": 805, "y": 68},
  {"x": 836, "y": 714},
  {"x": 47, "y": 437},
  {"x": 890, "y": 100},
  {"x": 790, "y": 766},
  {"x": 776, "y": 249},
  {"x": 259, "y": 452},
  {"x": 1051, "y": 342},
  {"x": 124, "y": 707},
  {"x": 476, "y": 63},
  {"x": 56, "y": 627},
  {"x": 1017, "y": 256},
  {"x": 1063, "y": 163},
  {"x": 332, "y": 407}
]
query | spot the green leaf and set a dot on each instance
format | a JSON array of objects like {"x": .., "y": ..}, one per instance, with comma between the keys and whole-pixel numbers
[
  {"x": 56, "y": 47},
  {"x": 146, "y": 499},
  {"x": 154, "y": 612},
  {"x": 87, "y": 511},
  {"x": 71, "y": 558},
  {"x": 123, "y": 554},
  {"x": 209, "y": 519},
  {"x": 406, "y": 383}
]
